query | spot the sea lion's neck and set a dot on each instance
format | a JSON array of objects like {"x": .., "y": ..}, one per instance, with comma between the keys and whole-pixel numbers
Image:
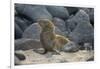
[{"x": 49, "y": 34}]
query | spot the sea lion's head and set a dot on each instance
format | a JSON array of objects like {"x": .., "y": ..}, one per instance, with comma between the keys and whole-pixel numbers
[{"x": 46, "y": 24}]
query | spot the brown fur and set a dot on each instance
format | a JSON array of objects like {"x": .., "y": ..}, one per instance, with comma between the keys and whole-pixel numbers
[{"x": 49, "y": 40}]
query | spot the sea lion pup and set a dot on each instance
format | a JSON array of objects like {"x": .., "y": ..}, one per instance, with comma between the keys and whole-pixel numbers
[{"x": 49, "y": 40}]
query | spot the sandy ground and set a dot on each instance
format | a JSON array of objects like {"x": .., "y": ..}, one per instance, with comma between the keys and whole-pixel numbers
[{"x": 36, "y": 58}]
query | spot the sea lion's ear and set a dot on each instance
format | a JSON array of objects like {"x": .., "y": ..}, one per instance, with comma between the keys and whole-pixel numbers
[{"x": 39, "y": 21}]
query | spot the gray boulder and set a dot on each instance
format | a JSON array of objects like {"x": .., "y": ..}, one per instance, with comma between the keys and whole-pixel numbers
[
  {"x": 90, "y": 59},
  {"x": 70, "y": 47},
  {"x": 26, "y": 44},
  {"x": 80, "y": 17},
  {"x": 90, "y": 12},
  {"x": 20, "y": 56},
  {"x": 18, "y": 32},
  {"x": 33, "y": 31},
  {"x": 84, "y": 32},
  {"x": 22, "y": 24},
  {"x": 27, "y": 21},
  {"x": 88, "y": 46},
  {"x": 58, "y": 22},
  {"x": 33, "y": 12},
  {"x": 58, "y": 11},
  {"x": 16, "y": 60},
  {"x": 72, "y": 10}
]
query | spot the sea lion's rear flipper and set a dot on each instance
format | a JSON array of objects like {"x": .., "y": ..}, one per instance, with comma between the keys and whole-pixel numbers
[{"x": 56, "y": 51}]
